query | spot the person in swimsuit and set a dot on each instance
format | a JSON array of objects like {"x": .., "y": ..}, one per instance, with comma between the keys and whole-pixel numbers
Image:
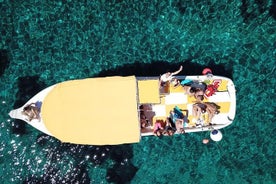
[{"x": 31, "y": 111}]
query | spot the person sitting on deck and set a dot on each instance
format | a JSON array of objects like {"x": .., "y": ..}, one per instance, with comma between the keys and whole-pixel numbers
[
  {"x": 144, "y": 116},
  {"x": 32, "y": 111},
  {"x": 144, "y": 122},
  {"x": 158, "y": 128},
  {"x": 169, "y": 77},
  {"x": 169, "y": 128},
  {"x": 179, "y": 119}
]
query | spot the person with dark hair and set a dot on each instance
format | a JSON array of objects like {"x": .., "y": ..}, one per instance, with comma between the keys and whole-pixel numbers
[
  {"x": 169, "y": 128},
  {"x": 199, "y": 85},
  {"x": 199, "y": 95}
]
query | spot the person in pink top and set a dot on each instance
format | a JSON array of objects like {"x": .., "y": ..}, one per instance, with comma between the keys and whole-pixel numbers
[{"x": 157, "y": 130}]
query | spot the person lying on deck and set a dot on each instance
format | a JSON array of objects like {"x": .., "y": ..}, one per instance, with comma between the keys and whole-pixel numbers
[
  {"x": 200, "y": 108},
  {"x": 194, "y": 88},
  {"x": 212, "y": 109},
  {"x": 169, "y": 77}
]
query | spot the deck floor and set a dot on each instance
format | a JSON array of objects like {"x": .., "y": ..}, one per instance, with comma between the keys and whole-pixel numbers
[{"x": 171, "y": 96}]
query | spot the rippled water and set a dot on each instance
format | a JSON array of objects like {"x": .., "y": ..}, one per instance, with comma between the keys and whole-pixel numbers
[{"x": 45, "y": 42}]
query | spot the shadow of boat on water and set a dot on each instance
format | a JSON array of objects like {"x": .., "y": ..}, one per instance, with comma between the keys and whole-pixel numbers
[{"x": 156, "y": 68}]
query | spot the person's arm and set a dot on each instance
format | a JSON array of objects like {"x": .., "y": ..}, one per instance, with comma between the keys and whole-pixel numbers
[
  {"x": 32, "y": 104},
  {"x": 160, "y": 83},
  {"x": 178, "y": 71}
]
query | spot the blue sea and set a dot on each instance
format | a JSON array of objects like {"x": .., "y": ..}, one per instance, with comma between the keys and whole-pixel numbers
[{"x": 46, "y": 42}]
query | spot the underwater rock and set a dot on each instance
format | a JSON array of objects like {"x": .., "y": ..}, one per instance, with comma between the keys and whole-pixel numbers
[
  {"x": 121, "y": 173},
  {"x": 18, "y": 127},
  {"x": 78, "y": 174},
  {"x": 28, "y": 87},
  {"x": 99, "y": 154},
  {"x": 121, "y": 152},
  {"x": 4, "y": 62},
  {"x": 42, "y": 139}
]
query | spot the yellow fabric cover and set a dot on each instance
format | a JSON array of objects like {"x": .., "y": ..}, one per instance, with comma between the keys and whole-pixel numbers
[
  {"x": 148, "y": 91},
  {"x": 94, "y": 111}
]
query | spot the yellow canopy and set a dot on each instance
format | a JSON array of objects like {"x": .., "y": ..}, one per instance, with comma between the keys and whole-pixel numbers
[{"x": 94, "y": 111}]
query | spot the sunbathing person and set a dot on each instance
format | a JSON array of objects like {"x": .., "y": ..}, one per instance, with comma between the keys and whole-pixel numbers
[
  {"x": 31, "y": 111},
  {"x": 212, "y": 109},
  {"x": 194, "y": 88}
]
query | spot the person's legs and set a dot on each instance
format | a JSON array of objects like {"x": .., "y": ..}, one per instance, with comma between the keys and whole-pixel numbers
[{"x": 196, "y": 111}]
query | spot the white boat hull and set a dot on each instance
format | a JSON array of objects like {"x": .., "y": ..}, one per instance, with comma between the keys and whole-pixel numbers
[{"x": 159, "y": 109}]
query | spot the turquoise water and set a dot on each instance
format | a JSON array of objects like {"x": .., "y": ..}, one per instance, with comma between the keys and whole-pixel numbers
[{"x": 45, "y": 42}]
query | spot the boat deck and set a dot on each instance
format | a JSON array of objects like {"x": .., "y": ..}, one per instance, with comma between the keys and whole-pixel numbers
[{"x": 171, "y": 97}]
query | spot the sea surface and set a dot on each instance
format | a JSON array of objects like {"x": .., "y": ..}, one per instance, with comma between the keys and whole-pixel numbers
[{"x": 45, "y": 42}]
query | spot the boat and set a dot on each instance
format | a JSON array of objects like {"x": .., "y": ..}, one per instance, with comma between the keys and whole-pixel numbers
[{"x": 109, "y": 110}]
